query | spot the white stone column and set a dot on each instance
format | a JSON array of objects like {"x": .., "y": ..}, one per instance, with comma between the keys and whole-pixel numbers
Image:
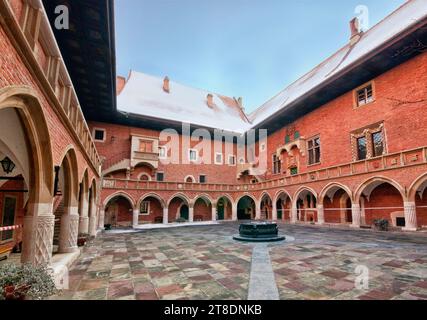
[
  {"x": 355, "y": 213},
  {"x": 101, "y": 219},
  {"x": 38, "y": 234},
  {"x": 69, "y": 230},
  {"x": 165, "y": 216},
  {"x": 274, "y": 213},
  {"x": 258, "y": 211},
  {"x": 320, "y": 214},
  {"x": 135, "y": 218},
  {"x": 84, "y": 215},
  {"x": 190, "y": 214},
  {"x": 410, "y": 216},
  {"x": 234, "y": 212},
  {"x": 294, "y": 214},
  {"x": 92, "y": 219},
  {"x": 214, "y": 213}
]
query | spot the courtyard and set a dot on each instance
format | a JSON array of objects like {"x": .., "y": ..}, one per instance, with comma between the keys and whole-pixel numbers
[{"x": 204, "y": 262}]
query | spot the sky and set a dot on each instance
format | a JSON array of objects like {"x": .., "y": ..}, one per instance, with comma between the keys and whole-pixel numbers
[{"x": 238, "y": 48}]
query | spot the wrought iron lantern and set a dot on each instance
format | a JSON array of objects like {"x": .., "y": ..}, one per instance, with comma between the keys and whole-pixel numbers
[{"x": 7, "y": 165}]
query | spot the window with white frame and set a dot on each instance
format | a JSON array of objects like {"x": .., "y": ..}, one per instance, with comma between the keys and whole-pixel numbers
[
  {"x": 218, "y": 158},
  {"x": 163, "y": 152},
  {"x": 144, "y": 208},
  {"x": 192, "y": 155},
  {"x": 231, "y": 160},
  {"x": 99, "y": 135}
]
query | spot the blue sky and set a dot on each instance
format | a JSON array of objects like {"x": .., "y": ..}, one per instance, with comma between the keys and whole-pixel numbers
[{"x": 247, "y": 48}]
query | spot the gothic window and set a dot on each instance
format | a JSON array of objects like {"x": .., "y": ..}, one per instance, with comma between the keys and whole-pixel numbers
[
  {"x": 368, "y": 142},
  {"x": 364, "y": 95},
  {"x": 276, "y": 164},
  {"x": 377, "y": 144},
  {"x": 361, "y": 148}
]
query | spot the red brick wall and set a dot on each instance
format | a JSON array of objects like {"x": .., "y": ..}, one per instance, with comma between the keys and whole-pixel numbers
[
  {"x": 335, "y": 120},
  {"x": 203, "y": 211},
  {"x": 384, "y": 196},
  {"x": 156, "y": 211},
  {"x": 422, "y": 209}
]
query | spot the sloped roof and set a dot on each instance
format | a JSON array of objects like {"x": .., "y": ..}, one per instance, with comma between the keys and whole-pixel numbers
[
  {"x": 404, "y": 17},
  {"x": 144, "y": 95}
]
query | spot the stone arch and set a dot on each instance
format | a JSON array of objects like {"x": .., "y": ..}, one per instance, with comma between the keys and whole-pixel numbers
[
  {"x": 279, "y": 193},
  {"x": 331, "y": 188},
  {"x": 188, "y": 178},
  {"x": 119, "y": 194},
  {"x": 305, "y": 201},
  {"x": 203, "y": 204},
  {"x": 26, "y": 101},
  {"x": 152, "y": 195},
  {"x": 70, "y": 166},
  {"x": 181, "y": 196},
  {"x": 36, "y": 241},
  {"x": 226, "y": 196},
  {"x": 248, "y": 211},
  {"x": 265, "y": 204},
  {"x": 283, "y": 212},
  {"x": 204, "y": 197},
  {"x": 370, "y": 184},
  {"x": 225, "y": 208},
  {"x": 302, "y": 190},
  {"x": 418, "y": 186}
]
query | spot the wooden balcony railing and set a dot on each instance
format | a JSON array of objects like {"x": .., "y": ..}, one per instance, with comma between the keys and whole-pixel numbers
[{"x": 392, "y": 161}]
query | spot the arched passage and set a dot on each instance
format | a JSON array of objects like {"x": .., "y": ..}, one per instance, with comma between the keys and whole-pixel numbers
[
  {"x": 202, "y": 208},
  {"x": 246, "y": 208},
  {"x": 266, "y": 207},
  {"x": 337, "y": 202},
  {"x": 25, "y": 141},
  {"x": 224, "y": 208},
  {"x": 283, "y": 205},
  {"x": 119, "y": 210},
  {"x": 381, "y": 198},
  {"x": 179, "y": 208},
  {"x": 305, "y": 200},
  {"x": 418, "y": 195},
  {"x": 84, "y": 204},
  {"x": 150, "y": 208}
]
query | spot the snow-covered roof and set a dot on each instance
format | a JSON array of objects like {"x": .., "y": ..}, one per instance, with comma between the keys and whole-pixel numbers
[
  {"x": 404, "y": 17},
  {"x": 144, "y": 95}
]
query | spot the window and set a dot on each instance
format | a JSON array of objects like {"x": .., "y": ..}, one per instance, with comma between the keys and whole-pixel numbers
[
  {"x": 231, "y": 160},
  {"x": 9, "y": 209},
  {"x": 377, "y": 144},
  {"x": 146, "y": 146},
  {"x": 218, "y": 158},
  {"x": 294, "y": 171},
  {"x": 276, "y": 164},
  {"x": 242, "y": 161},
  {"x": 144, "y": 177},
  {"x": 364, "y": 95},
  {"x": 314, "y": 151},
  {"x": 163, "y": 152},
  {"x": 287, "y": 139},
  {"x": 202, "y": 178},
  {"x": 160, "y": 176},
  {"x": 145, "y": 208},
  {"x": 361, "y": 148},
  {"x": 99, "y": 135},
  {"x": 297, "y": 135},
  {"x": 192, "y": 155},
  {"x": 189, "y": 179}
]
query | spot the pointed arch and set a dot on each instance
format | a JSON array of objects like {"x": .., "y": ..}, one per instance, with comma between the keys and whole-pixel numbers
[
  {"x": 120, "y": 194},
  {"x": 152, "y": 195},
  {"x": 370, "y": 184},
  {"x": 301, "y": 190},
  {"x": 181, "y": 196},
  {"x": 330, "y": 190},
  {"x": 418, "y": 186},
  {"x": 204, "y": 197},
  {"x": 280, "y": 193}
]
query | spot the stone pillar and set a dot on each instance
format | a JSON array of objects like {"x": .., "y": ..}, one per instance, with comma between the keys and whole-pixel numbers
[
  {"x": 92, "y": 219},
  {"x": 234, "y": 212},
  {"x": 38, "y": 234},
  {"x": 84, "y": 215},
  {"x": 69, "y": 230},
  {"x": 258, "y": 211},
  {"x": 135, "y": 218},
  {"x": 274, "y": 213},
  {"x": 294, "y": 214},
  {"x": 410, "y": 216},
  {"x": 214, "y": 213},
  {"x": 355, "y": 213},
  {"x": 101, "y": 219},
  {"x": 320, "y": 214},
  {"x": 165, "y": 216},
  {"x": 190, "y": 214}
]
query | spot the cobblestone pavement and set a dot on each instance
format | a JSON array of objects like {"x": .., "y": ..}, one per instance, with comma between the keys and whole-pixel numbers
[{"x": 205, "y": 263}]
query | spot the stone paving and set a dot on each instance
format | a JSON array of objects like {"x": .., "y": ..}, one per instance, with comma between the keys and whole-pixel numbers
[{"x": 204, "y": 262}]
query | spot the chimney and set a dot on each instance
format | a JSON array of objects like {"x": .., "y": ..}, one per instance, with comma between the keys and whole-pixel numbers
[
  {"x": 166, "y": 85},
  {"x": 210, "y": 101},
  {"x": 355, "y": 31}
]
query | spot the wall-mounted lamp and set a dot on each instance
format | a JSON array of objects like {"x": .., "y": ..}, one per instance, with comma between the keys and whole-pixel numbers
[{"x": 7, "y": 165}]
